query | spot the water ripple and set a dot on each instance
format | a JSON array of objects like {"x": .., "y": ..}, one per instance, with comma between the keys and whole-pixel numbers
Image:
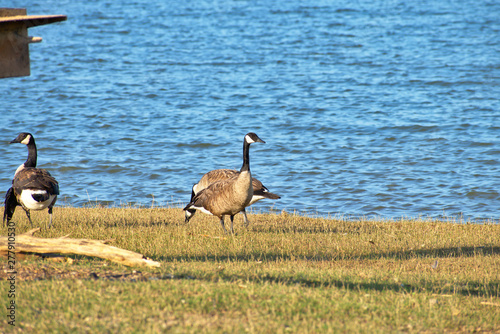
[{"x": 367, "y": 108}]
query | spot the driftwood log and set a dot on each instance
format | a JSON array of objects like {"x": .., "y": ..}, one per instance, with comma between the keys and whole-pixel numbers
[{"x": 27, "y": 243}]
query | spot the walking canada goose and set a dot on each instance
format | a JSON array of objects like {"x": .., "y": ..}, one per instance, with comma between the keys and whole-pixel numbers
[
  {"x": 32, "y": 188},
  {"x": 259, "y": 190},
  {"x": 228, "y": 196}
]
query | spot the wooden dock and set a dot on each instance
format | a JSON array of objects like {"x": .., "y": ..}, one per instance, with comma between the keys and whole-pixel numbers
[{"x": 14, "y": 39}]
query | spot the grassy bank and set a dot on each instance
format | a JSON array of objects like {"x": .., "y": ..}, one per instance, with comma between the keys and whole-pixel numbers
[{"x": 286, "y": 273}]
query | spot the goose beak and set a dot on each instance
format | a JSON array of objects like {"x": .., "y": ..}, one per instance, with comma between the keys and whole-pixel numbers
[
  {"x": 258, "y": 140},
  {"x": 22, "y": 138},
  {"x": 18, "y": 139}
]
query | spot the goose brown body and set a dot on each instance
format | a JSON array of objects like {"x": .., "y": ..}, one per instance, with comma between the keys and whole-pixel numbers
[
  {"x": 228, "y": 196},
  {"x": 259, "y": 190}
]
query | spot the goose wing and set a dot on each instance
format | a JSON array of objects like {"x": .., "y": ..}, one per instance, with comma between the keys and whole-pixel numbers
[
  {"x": 35, "y": 178},
  {"x": 214, "y": 176},
  {"x": 211, "y": 197}
]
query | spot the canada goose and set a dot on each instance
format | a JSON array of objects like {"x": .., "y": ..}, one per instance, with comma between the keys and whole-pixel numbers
[
  {"x": 231, "y": 195},
  {"x": 32, "y": 188},
  {"x": 259, "y": 190}
]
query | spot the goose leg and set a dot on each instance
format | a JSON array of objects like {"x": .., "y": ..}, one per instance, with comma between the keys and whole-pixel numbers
[
  {"x": 50, "y": 213},
  {"x": 222, "y": 223},
  {"x": 232, "y": 218},
  {"x": 29, "y": 216},
  {"x": 245, "y": 218}
]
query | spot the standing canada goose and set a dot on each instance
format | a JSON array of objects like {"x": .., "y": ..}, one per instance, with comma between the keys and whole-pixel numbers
[
  {"x": 32, "y": 188},
  {"x": 231, "y": 195},
  {"x": 259, "y": 190}
]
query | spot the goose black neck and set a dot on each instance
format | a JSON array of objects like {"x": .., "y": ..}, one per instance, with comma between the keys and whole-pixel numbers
[
  {"x": 31, "y": 161},
  {"x": 246, "y": 157}
]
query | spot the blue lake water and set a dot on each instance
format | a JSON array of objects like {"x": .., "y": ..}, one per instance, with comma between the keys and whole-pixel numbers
[{"x": 381, "y": 109}]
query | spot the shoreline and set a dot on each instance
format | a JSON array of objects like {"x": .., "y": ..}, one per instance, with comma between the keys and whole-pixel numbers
[{"x": 337, "y": 216}]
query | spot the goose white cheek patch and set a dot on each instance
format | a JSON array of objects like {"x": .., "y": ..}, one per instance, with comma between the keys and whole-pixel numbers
[
  {"x": 255, "y": 199},
  {"x": 202, "y": 209},
  {"x": 26, "y": 140},
  {"x": 195, "y": 189},
  {"x": 249, "y": 140}
]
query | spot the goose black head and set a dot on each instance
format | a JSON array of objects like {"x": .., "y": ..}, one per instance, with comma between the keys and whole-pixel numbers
[
  {"x": 23, "y": 138},
  {"x": 253, "y": 138}
]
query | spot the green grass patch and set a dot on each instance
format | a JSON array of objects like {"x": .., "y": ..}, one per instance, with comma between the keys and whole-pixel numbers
[{"x": 285, "y": 273}]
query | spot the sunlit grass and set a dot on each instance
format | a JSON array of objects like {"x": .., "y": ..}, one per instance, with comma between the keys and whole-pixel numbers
[{"x": 286, "y": 273}]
